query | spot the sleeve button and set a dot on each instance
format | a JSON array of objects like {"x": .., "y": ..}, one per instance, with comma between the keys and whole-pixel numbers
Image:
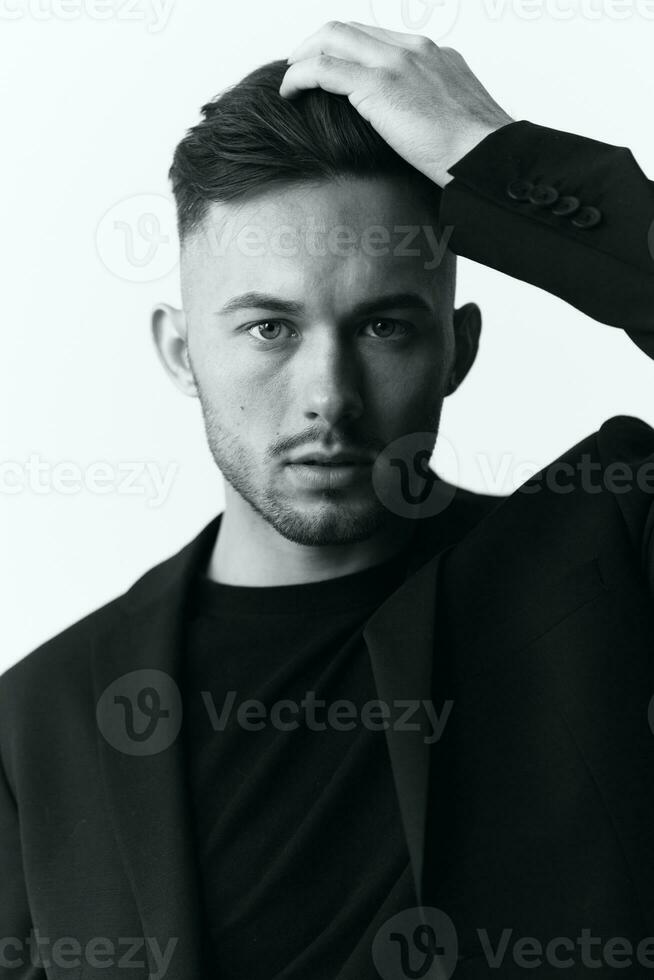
[
  {"x": 566, "y": 205},
  {"x": 543, "y": 195},
  {"x": 587, "y": 217},
  {"x": 519, "y": 190}
]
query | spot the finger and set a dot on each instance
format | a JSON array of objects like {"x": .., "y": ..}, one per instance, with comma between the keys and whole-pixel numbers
[
  {"x": 331, "y": 74},
  {"x": 392, "y": 37},
  {"x": 345, "y": 41}
]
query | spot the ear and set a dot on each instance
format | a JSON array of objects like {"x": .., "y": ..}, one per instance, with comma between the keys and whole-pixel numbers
[
  {"x": 467, "y": 328},
  {"x": 170, "y": 336}
]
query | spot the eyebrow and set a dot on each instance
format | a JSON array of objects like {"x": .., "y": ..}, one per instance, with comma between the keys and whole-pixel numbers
[{"x": 255, "y": 300}]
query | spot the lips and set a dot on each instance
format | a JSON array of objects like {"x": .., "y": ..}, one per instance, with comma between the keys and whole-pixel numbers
[
  {"x": 331, "y": 459},
  {"x": 318, "y": 472},
  {"x": 331, "y": 462}
]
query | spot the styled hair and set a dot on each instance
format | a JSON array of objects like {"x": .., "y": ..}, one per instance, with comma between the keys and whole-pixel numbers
[{"x": 252, "y": 138}]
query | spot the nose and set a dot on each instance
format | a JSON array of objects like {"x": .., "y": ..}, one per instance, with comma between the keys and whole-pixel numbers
[{"x": 332, "y": 385}]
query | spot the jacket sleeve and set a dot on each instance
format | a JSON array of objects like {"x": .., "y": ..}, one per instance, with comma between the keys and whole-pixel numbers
[
  {"x": 16, "y": 959},
  {"x": 566, "y": 213}
]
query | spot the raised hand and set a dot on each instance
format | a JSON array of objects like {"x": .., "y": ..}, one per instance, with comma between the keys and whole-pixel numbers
[{"x": 423, "y": 100}]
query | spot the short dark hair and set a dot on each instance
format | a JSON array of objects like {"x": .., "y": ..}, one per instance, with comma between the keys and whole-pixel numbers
[{"x": 251, "y": 138}]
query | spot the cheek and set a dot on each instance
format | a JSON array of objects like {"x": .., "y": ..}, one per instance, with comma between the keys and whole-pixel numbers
[
  {"x": 408, "y": 387},
  {"x": 246, "y": 403}
]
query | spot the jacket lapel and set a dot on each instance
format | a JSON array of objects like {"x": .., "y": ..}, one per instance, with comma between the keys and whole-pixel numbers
[
  {"x": 147, "y": 792},
  {"x": 400, "y": 640}
]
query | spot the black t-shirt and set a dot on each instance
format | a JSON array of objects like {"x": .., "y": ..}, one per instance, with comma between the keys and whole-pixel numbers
[{"x": 298, "y": 831}]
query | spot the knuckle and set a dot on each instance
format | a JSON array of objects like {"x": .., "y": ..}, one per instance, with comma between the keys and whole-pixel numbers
[
  {"x": 401, "y": 56},
  {"x": 388, "y": 78}
]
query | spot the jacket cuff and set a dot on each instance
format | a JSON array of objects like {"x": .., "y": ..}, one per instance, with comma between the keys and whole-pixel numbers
[{"x": 564, "y": 212}]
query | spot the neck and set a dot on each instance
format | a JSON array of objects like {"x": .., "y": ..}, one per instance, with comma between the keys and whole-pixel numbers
[{"x": 250, "y": 552}]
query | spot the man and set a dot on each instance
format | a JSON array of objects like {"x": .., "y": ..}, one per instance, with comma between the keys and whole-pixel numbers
[{"x": 365, "y": 724}]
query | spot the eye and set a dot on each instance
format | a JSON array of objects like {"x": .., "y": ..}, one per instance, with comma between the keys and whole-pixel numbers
[
  {"x": 269, "y": 329},
  {"x": 387, "y": 329}
]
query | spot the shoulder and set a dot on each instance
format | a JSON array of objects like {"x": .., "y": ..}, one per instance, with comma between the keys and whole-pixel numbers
[
  {"x": 62, "y": 657},
  {"x": 627, "y": 439},
  {"x": 60, "y": 667},
  {"x": 576, "y": 506},
  {"x": 606, "y": 462}
]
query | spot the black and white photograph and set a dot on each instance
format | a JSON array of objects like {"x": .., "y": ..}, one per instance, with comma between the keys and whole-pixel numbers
[{"x": 327, "y": 490}]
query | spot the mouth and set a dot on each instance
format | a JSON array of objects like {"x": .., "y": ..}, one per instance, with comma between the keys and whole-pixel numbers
[
  {"x": 328, "y": 473},
  {"x": 341, "y": 458},
  {"x": 330, "y": 462}
]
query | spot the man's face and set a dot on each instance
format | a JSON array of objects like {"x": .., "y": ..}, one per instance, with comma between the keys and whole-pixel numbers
[{"x": 347, "y": 346}]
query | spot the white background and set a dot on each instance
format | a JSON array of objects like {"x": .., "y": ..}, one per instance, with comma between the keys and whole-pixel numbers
[{"x": 95, "y": 95}]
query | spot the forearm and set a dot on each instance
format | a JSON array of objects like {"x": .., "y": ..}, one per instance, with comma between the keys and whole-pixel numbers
[{"x": 568, "y": 214}]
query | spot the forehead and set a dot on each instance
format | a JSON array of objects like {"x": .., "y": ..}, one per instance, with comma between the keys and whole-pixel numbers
[{"x": 323, "y": 239}]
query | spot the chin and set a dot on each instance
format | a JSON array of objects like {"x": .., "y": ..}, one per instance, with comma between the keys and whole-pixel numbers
[{"x": 330, "y": 522}]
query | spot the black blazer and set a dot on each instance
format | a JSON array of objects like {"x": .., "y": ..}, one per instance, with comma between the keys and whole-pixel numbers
[{"x": 532, "y": 614}]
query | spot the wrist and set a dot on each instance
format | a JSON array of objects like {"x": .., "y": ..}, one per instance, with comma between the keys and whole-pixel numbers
[{"x": 467, "y": 139}]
